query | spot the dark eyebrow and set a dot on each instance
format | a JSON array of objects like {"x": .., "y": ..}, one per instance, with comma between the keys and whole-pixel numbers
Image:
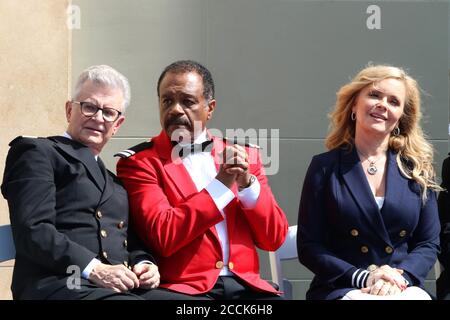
[
  {"x": 190, "y": 96},
  {"x": 166, "y": 94}
]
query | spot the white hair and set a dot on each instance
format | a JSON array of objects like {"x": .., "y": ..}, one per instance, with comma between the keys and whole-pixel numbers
[{"x": 106, "y": 76}]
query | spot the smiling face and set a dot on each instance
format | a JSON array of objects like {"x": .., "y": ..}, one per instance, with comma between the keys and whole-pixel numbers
[
  {"x": 183, "y": 109},
  {"x": 379, "y": 107},
  {"x": 93, "y": 131}
]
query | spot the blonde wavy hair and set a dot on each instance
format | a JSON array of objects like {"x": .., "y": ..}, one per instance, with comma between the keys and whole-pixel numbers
[{"x": 414, "y": 152}]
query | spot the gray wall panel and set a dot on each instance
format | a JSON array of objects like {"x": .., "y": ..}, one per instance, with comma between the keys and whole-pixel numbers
[
  {"x": 280, "y": 62},
  {"x": 139, "y": 38},
  {"x": 295, "y": 156},
  {"x": 299, "y": 288},
  {"x": 115, "y": 145},
  {"x": 441, "y": 152}
]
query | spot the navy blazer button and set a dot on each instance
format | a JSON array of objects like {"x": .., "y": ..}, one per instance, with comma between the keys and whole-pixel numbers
[
  {"x": 121, "y": 224},
  {"x": 364, "y": 249},
  {"x": 105, "y": 255},
  {"x": 99, "y": 214},
  {"x": 103, "y": 233},
  {"x": 354, "y": 232},
  {"x": 388, "y": 250},
  {"x": 402, "y": 233},
  {"x": 125, "y": 243}
]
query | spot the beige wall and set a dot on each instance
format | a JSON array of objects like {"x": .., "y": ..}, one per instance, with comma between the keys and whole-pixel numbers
[{"x": 34, "y": 80}]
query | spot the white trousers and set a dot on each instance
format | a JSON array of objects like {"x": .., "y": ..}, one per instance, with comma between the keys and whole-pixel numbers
[{"x": 410, "y": 293}]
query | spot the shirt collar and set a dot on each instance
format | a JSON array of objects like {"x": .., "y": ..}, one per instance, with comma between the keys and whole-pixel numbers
[
  {"x": 66, "y": 135},
  {"x": 201, "y": 138}
]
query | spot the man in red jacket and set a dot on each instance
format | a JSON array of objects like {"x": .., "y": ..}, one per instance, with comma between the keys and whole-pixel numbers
[{"x": 200, "y": 203}]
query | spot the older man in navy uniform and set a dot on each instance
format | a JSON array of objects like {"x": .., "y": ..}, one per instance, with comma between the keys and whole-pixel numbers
[{"x": 69, "y": 214}]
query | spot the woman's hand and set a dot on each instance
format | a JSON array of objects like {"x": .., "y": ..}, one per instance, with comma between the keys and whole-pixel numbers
[
  {"x": 385, "y": 280},
  {"x": 382, "y": 288},
  {"x": 389, "y": 274}
]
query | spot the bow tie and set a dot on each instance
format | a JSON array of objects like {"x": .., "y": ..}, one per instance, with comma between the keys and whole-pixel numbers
[{"x": 185, "y": 150}]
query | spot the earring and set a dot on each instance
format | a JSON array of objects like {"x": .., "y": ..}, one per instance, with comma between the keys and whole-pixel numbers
[
  {"x": 353, "y": 116},
  {"x": 396, "y": 131}
]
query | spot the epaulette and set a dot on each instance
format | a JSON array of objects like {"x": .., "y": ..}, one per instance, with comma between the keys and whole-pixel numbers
[
  {"x": 135, "y": 149},
  {"x": 22, "y": 137},
  {"x": 241, "y": 143}
]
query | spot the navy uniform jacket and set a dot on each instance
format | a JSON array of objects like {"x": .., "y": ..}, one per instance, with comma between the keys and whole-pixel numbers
[
  {"x": 63, "y": 212},
  {"x": 342, "y": 229}
]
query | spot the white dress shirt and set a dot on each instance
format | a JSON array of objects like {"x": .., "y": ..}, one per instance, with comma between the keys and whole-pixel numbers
[
  {"x": 201, "y": 168},
  {"x": 379, "y": 201}
]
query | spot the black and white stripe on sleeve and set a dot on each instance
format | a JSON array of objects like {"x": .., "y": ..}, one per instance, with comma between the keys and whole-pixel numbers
[{"x": 359, "y": 278}]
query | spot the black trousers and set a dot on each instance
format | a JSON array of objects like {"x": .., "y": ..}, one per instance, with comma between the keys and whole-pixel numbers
[
  {"x": 226, "y": 288},
  {"x": 92, "y": 292}
]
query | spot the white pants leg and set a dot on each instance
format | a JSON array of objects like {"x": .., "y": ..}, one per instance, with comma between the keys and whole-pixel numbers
[{"x": 410, "y": 293}]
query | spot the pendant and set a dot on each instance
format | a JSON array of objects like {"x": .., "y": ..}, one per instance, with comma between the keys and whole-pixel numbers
[{"x": 372, "y": 169}]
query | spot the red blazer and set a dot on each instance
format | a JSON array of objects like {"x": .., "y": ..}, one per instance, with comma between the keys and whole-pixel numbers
[{"x": 177, "y": 222}]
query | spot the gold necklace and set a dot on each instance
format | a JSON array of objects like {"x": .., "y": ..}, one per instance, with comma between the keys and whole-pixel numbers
[{"x": 372, "y": 168}]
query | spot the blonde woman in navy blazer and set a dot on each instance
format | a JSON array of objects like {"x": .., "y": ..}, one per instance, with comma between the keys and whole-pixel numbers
[{"x": 368, "y": 219}]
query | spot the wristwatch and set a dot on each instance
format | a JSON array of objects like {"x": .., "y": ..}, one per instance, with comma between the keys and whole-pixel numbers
[{"x": 252, "y": 180}]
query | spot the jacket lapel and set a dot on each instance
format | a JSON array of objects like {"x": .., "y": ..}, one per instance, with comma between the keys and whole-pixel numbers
[
  {"x": 174, "y": 167},
  {"x": 81, "y": 153},
  {"x": 357, "y": 183},
  {"x": 396, "y": 186},
  {"x": 180, "y": 176},
  {"x": 108, "y": 189}
]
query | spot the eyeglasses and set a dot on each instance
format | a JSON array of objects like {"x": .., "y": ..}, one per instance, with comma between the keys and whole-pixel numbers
[{"x": 89, "y": 110}]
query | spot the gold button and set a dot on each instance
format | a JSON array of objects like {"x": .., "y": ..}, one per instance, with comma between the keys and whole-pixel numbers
[
  {"x": 388, "y": 250},
  {"x": 230, "y": 265},
  {"x": 354, "y": 232},
  {"x": 125, "y": 263},
  {"x": 219, "y": 264},
  {"x": 402, "y": 233},
  {"x": 125, "y": 243},
  {"x": 120, "y": 225},
  {"x": 372, "y": 267},
  {"x": 103, "y": 233},
  {"x": 105, "y": 255},
  {"x": 99, "y": 214},
  {"x": 364, "y": 249}
]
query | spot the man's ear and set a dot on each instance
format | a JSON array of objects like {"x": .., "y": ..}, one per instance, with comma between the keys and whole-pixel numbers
[
  {"x": 118, "y": 124},
  {"x": 68, "y": 110},
  {"x": 211, "y": 107}
]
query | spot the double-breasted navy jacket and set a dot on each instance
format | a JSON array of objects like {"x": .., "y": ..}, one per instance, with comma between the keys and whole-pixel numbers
[
  {"x": 65, "y": 210},
  {"x": 341, "y": 228}
]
